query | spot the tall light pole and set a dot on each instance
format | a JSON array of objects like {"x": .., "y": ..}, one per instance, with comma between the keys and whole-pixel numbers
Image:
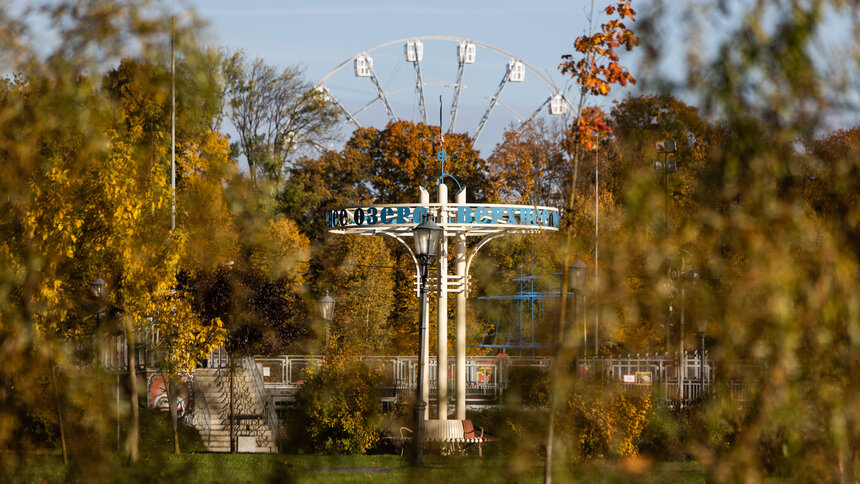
[
  {"x": 427, "y": 236},
  {"x": 172, "y": 118},
  {"x": 683, "y": 275},
  {"x": 578, "y": 271},
  {"x": 702, "y": 327},
  {"x": 665, "y": 166},
  {"x": 326, "y": 305}
]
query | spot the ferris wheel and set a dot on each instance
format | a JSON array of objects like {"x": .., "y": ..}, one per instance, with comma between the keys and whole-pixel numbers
[{"x": 363, "y": 96}]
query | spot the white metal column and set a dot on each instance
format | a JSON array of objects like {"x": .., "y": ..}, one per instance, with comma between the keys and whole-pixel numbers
[
  {"x": 460, "y": 268},
  {"x": 442, "y": 312},
  {"x": 425, "y": 375}
]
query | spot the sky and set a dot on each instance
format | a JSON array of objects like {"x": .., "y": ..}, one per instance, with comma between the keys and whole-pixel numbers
[{"x": 321, "y": 36}]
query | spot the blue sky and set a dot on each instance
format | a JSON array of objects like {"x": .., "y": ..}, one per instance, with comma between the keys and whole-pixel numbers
[{"x": 320, "y": 37}]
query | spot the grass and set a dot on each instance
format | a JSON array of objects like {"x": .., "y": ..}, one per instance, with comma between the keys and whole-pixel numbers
[
  {"x": 242, "y": 468},
  {"x": 158, "y": 464}
]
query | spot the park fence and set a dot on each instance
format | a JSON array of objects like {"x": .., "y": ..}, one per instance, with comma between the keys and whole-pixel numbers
[{"x": 681, "y": 381}]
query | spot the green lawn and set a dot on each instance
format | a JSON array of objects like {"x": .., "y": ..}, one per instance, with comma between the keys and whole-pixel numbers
[{"x": 212, "y": 468}]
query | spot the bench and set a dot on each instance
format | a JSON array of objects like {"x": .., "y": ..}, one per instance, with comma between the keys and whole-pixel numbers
[{"x": 453, "y": 436}]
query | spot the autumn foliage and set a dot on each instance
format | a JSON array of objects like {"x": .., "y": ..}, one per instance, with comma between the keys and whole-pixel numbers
[{"x": 598, "y": 66}]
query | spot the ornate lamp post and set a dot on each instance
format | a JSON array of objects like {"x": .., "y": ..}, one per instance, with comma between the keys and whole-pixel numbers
[
  {"x": 326, "y": 305},
  {"x": 427, "y": 236}
]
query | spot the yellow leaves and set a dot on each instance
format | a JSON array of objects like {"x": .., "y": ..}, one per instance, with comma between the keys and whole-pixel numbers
[
  {"x": 183, "y": 337},
  {"x": 281, "y": 251},
  {"x": 609, "y": 419}
]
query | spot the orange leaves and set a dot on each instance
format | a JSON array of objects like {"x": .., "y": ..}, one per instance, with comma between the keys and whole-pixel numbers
[
  {"x": 588, "y": 130},
  {"x": 624, "y": 10},
  {"x": 599, "y": 67}
]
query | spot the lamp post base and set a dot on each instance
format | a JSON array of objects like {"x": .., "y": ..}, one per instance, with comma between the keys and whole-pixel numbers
[{"x": 418, "y": 435}]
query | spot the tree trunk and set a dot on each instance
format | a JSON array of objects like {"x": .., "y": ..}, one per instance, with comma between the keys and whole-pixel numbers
[
  {"x": 131, "y": 443},
  {"x": 59, "y": 415},
  {"x": 171, "y": 386}
]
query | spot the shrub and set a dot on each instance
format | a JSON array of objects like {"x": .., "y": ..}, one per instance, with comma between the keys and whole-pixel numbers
[
  {"x": 337, "y": 409},
  {"x": 606, "y": 420}
]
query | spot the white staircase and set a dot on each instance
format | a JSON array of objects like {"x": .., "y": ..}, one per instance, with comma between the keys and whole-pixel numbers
[{"x": 252, "y": 417}]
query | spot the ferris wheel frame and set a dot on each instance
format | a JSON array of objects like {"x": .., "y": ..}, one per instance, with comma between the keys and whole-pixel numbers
[{"x": 458, "y": 86}]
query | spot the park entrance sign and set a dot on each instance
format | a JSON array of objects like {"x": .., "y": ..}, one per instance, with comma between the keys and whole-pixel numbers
[
  {"x": 472, "y": 218},
  {"x": 458, "y": 220}
]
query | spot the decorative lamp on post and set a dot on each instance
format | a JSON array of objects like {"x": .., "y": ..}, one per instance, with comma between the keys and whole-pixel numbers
[
  {"x": 97, "y": 288},
  {"x": 326, "y": 304},
  {"x": 427, "y": 236},
  {"x": 577, "y": 272}
]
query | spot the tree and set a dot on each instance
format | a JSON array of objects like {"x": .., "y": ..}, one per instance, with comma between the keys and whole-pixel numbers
[
  {"x": 277, "y": 114},
  {"x": 183, "y": 340},
  {"x": 781, "y": 273},
  {"x": 528, "y": 166},
  {"x": 595, "y": 70},
  {"x": 75, "y": 189},
  {"x": 363, "y": 286}
]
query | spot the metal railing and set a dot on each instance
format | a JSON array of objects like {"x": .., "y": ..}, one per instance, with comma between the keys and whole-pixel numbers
[
  {"x": 201, "y": 415},
  {"x": 263, "y": 398},
  {"x": 487, "y": 378}
]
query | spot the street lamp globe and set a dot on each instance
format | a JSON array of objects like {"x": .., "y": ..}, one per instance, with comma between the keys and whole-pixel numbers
[
  {"x": 97, "y": 287},
  {"x": 326, "y": 304},
  {"x": 427, "y": 236},
  {"x": 577, "y": 272}
]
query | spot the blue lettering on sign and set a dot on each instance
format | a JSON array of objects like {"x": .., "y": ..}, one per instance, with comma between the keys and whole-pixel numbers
[
  {"x": 512, "y": 215},
  {"x": 525, "y": 216},
  {"x": 497, "y": 213},
  {"x": 464, "y": 215},
  {"x": 402, "y": 213},
  {"x": 371, "y": 216},
  {"x": 418, "y": 214}
]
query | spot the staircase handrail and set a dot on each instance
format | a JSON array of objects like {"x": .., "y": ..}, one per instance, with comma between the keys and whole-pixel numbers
[
  {"x": 267, "y": 403},
  {"x": 201, "y": 416}
]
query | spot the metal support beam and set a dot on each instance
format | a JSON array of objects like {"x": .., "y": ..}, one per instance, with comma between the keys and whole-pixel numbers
[
  {"x": 455, "y": 104},
  {"x": 382, "y": 95},
  {"x": 345, "y": 111},
  {"x": 419, "y": 88},
  {"x": 534, "y": 114},
  {"x": 493, "y": 101}
]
